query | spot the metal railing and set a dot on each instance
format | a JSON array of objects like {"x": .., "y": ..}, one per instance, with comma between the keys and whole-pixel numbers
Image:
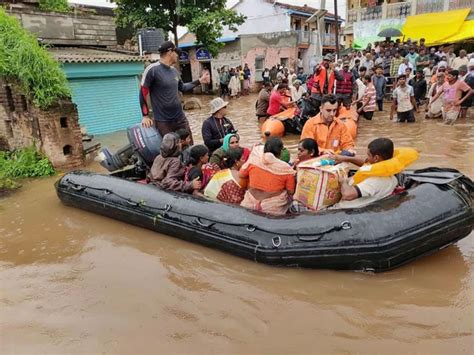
[
  {"x": 371, "y": 13},
  {"x": 399, "y": 9},
  {"x": 406, "y": 8},
  {"x": 428, "y": 6},
  {"x": 461, "y": 4},
  {"x": 306, "y": 37},
  {"x": 329, "y": 39},
  {"x": 303, "y": 37},
  {"x": 352, "y": 15}
]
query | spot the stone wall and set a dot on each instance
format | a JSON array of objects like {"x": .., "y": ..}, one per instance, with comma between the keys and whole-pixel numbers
[
  {"x": 55, "y": 132},
  {"x": 72, "y": 29}
]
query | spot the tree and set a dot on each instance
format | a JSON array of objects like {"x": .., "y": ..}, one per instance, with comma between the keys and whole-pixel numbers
[{"x": 205, "y": 18}]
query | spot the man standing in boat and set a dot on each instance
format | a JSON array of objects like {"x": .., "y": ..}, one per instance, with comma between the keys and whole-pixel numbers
[{"x": 160, "y": 85}]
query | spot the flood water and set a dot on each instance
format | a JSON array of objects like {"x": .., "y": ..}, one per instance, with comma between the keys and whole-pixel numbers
[{"x": 75, "y": 282}]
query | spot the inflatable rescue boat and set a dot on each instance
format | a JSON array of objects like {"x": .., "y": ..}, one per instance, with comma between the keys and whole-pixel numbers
[{"x": 434, "y": 211}]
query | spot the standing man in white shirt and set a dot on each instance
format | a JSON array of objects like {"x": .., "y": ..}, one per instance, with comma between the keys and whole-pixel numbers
[
  {"x": 403, "y": 67},
  {"x": 404, "y": 102}
]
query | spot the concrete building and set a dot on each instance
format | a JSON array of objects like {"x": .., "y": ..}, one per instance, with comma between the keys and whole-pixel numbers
[
  {"x": 258, "y": 51},
  {"x": 104, "y": 80},
  {"x": 366, "y": 17},
  {"x": 104, "y": 85},
  {"x": 274, "y": 33}
]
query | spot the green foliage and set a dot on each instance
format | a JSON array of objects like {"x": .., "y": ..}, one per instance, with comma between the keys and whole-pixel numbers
[
  {"x": 24, "y": 163},
  {"x": 54, "y": 5},
  {"x": 24, "y": 61},
  {"x": 205, "y": 18},
  {"x": 208, "y": 27}
]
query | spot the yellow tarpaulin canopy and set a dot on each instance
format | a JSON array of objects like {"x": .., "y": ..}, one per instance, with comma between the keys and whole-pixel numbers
[
  {"x": 435, "y": 27},
  {"x": 465, "y": 32}
]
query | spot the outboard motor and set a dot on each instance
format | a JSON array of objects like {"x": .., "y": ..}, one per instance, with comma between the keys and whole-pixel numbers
[{"x": 143, "y": 148}]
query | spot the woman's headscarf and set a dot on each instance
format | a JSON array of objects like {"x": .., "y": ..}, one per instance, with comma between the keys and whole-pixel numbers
[
  {"x": 268, "y": 162},
  {"x": 226, "y": 142},
  {"x": 170, "y": 146}
]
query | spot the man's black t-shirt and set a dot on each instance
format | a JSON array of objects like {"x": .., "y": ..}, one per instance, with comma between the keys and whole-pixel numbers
[{"x": 164, "y": 83}]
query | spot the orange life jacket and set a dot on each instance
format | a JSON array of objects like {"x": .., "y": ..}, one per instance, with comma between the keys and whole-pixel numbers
[
  {"x": 349, "y": 118},
  {"x": 323, "y": 84}
]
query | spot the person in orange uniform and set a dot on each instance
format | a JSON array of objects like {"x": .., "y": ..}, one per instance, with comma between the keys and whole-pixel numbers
[
  {"x": 331, "y": 134},
  {"x": 349, "y": 116},
  {"x": 323, "y": 80}
]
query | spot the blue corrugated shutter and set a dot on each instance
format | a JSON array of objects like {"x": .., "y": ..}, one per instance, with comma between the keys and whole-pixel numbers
[{"x": 107, "y": 104}]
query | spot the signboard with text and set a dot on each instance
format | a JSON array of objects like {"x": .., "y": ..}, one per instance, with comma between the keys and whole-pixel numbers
[
  {"x": 184, "y": 57},
  {"x": 203, "y": 54}
]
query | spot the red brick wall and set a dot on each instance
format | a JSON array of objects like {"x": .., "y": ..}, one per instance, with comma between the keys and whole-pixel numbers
[{"x": 56, "y": 132}]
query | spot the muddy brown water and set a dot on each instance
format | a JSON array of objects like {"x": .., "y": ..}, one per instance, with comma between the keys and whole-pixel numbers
[{"x": 75, "y": 282}]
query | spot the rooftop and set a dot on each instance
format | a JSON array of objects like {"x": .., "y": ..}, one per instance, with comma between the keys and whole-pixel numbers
[
  {"x": 302, "y": 10},
  {"x": 92, "y": 55}
]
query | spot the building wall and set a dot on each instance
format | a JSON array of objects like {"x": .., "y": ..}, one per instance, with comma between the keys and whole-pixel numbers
[
  {"x": 228, "y": 56},
  {"x": 272, "y": 47},
  {"x": 262, "y": 17},
  {"x": 67, "y": 29},
  {"x": 272, "y": 56},
  {"x": 61, "y": 138},
  {"x": 55, "y": 132},
  {"x": 197, "y": 69}
]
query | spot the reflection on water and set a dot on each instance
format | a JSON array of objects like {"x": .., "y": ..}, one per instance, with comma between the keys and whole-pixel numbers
[{"x": 72, "y": 281}]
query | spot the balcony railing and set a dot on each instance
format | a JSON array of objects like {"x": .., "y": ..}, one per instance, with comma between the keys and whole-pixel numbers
[
  {"x": 460, "y": 4},
  {"x": 329, "y": 39},
  {"x": 371, "y": 13},
  {"x": 352, "y": 15},
  {"x": 399, "y": 9},
  {"x": 308, "y": 37},
  {"x": 404, "y": 9},
  {"x": 428, "y": 6},
  {"x": 303, "y": 37}
]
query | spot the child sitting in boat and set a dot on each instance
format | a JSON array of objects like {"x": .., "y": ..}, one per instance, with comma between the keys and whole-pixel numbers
[
  {"x": 271, "y": 181},
  {"x": 184, "y": 138},
  {"x": 185, "y": 144},
  {"x": 226, "y": 185},
  {"x": 199, "y": 167},
  {"x": 375, "y": 179},
  {"x": 167, "y": 170}
]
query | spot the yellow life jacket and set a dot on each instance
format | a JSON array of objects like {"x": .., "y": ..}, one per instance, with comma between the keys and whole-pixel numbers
[{"x": 402, "y": 157}]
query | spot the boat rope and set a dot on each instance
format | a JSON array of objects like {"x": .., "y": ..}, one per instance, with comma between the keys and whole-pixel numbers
[{"x": 303, "y": 237}]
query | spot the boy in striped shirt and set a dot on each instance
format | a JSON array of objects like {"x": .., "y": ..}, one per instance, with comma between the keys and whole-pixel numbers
[{"x": 368, "y": 100}]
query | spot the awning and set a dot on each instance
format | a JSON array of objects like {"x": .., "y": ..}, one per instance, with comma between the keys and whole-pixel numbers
[
  {"x": 220, "y": 40},
  {"x": 465, "y": 32},
  {"x": 436, "y": 26}
]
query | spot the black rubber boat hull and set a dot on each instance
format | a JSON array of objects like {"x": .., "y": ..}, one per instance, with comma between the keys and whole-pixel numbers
[{"x": 378, "y": 237}]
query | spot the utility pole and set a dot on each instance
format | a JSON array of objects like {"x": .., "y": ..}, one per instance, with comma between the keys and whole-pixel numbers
[
  {"x": 322, "y": 27},
  {"x": 337, "y": 28}
]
